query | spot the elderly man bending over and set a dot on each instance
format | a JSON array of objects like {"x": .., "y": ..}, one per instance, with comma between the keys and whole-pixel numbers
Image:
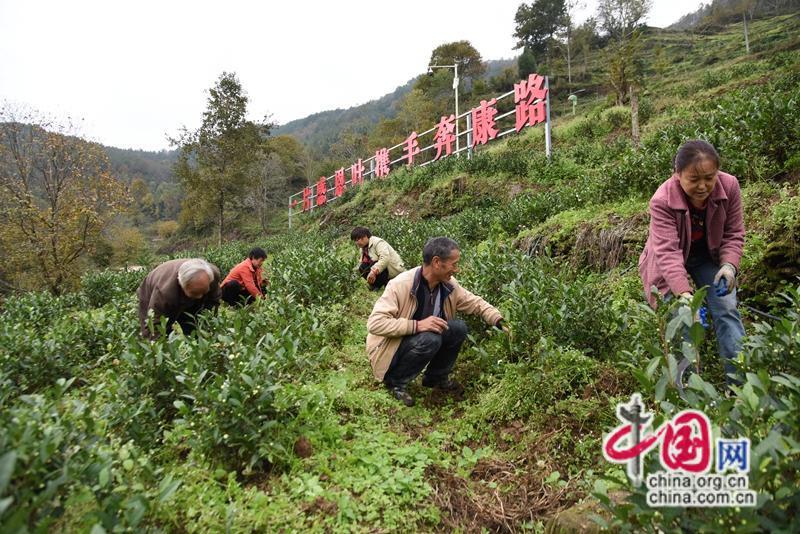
[
  {"x": 178, "y": 290},
  {"x": 413, "y": 324}
]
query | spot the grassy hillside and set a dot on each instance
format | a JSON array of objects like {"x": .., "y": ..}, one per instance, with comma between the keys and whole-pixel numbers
[{"x": 269, "y": 419}]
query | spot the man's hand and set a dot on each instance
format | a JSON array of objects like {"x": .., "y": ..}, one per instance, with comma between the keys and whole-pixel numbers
[
  {"x": 728, "y": 273},
  {"x": 371, "y": 276},
  {"x": 432, "y": 324},
  {"x": 501, "y": 325}
]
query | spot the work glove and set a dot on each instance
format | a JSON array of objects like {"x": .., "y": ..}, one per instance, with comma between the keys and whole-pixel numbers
[{"x": 724, "y": 280}]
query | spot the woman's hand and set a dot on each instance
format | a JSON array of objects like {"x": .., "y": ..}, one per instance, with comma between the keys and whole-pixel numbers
[{"x": 728, "y": 273}]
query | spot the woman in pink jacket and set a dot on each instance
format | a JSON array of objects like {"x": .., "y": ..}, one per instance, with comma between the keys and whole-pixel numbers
[{"x": 697, "y": 233}]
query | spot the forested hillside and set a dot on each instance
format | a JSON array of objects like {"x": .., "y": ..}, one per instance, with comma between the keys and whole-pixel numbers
[
  {"x": 318, "y": 132},
  {"x": 268, "y": 418}
]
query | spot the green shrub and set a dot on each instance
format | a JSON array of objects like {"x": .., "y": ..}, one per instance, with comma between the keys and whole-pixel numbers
[
  {"x": 618, "y": 117},
  {"x": 103, "y": 287}
]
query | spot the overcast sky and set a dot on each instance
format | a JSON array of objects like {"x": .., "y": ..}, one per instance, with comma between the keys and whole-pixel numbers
[{"x": 135, "y": 72}]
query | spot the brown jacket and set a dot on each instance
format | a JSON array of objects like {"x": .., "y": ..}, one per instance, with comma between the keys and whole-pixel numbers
[
  {"x": 161, "y": 293},
  {"x": 391, "y": 317}
]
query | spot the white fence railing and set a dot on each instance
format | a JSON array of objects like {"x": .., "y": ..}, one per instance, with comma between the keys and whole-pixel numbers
[{"x": 484, "y": 123}]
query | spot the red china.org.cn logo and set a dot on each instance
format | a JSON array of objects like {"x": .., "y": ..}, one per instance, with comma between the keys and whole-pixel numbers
[{"x": 686, "y": 456}]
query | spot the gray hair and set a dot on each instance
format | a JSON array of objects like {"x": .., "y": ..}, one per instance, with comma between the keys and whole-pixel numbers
[
  {"x": 191, "y": 268},
  {"x": 442, "y": 247}
]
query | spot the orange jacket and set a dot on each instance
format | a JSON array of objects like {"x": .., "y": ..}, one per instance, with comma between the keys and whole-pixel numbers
[{"x": 247, "y": 276}]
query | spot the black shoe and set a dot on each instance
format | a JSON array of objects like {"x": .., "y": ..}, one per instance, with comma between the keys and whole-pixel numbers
[
  {"x": 400, "y": 393},
  {"x": 448, "y": 385}
]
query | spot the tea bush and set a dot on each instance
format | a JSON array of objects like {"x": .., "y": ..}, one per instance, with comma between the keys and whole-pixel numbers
[
  {"x": 313, "y": 272},
  {"x": 103, "y": 287}
]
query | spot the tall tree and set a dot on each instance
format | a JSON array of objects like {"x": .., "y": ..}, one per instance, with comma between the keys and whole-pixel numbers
[
  {"x": 585, "y": 38},
  {"x": 57, "y": 194},
  {"x": 536, "y": 25},
  {"x": 526, "y": 63},
  {"x": 215, "y": 161},
  {"x": 567, "y": 32},
  {"x": 470, "y": 63},
  {"x": 621, "y": 20}
]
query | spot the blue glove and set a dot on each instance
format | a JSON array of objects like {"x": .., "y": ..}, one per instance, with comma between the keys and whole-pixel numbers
[
  {"x": 703, "y": 312},
  {"x": 721, "y": 287}
]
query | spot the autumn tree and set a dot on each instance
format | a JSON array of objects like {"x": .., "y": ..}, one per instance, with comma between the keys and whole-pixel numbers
[
  {"x": 57, "y": 195},
  {"x": 215, "y": 161}
]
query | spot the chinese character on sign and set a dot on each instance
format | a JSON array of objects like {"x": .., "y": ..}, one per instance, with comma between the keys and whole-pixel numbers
[
  {"x": 529, "y": 113},
  {"x": 338, "y": 182},
  {"x": 483, "y": 127},
  {"x": 321, "y": 191},
  {"x": 357, "y": 173},
  {"x": 307, "y": 198},
  {"x": 445, "y": 136},
  {"x": 411, "y": 148},
  {"x": 381, "y": 163},
  {"x": 685, "y": 440},
  {"x": 733, "y": 453}
]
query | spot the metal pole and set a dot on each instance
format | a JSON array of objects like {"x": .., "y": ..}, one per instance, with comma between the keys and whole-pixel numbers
[
  {"x": 547, "y": 146},
  {"x": 469, "y": 136},
  {"x": 455, "y": 88}
]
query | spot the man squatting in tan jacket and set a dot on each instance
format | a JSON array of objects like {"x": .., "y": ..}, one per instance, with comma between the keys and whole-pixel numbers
[{"x": 413, "y": 324}]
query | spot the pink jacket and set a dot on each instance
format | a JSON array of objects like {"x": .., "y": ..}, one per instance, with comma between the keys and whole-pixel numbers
[{"x": 662, "y": 263}]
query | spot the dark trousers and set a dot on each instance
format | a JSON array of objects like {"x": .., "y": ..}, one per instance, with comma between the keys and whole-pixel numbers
[
  {"x": 380, "y": 281},
  {"x": 437, "y": 351},
  {"x": 235, "y": 294}
]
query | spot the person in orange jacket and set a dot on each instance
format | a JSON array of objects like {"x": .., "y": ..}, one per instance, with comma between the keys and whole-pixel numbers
[{"x": 244, "y": 283}]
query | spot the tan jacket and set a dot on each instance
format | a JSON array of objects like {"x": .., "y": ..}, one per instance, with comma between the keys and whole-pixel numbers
[
  {"x": 391, "y": 317},
  {"x": 161, "y": 293},
  {"x": 386, "y": 257}
]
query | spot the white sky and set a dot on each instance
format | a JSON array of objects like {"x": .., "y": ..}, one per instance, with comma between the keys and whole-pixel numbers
[{"x": 137, "y": 71}]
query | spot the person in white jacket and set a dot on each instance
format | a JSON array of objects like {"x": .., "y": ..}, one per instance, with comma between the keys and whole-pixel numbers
[{"x": 378, "y": 262}]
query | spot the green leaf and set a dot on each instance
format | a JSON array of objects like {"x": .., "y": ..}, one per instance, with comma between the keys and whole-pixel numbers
[
  {"x": 672, "y": 327},
  {"x": 7, "y": 462},
  {"x": 652, "y": 366},
  {"x": 104, "y": 477},
  {"x": 4, "y": 504},
  {"x": 167, "y": 489},
  {"x": 661, "y": 387}
]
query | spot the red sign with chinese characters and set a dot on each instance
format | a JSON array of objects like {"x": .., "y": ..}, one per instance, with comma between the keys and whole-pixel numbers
[
  {"x": 338, "y": 182},
  {"x": 530, "y": 108},
  {"x": 382, "y": 162},
  {"x": 445, "y": 136},
  {"x": 483, "y": 125},
  {"x": 529, "y": 98},
  {"x": 357, "y": 173},
  {"x": 322, "y": 191}
]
